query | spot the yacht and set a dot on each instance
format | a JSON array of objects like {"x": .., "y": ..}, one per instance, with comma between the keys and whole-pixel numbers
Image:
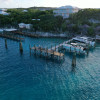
[
  {"x": 73, "y": 47},
  {"x": 86, "y": 40}
]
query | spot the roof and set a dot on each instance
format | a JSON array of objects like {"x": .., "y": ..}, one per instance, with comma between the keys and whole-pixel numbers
[
  {"x": 25, "y": 10},
  {"x": 12, "y": 29},
  {"x": 21, "y": 24},
  {"x": 36, "y": 19},
  {"x": 1, "y": 30}
]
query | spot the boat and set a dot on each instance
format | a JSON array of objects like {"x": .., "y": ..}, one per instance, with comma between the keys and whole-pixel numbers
[
  {"x": 86, "y": 40},
  {"x": 73, "y": 47}
]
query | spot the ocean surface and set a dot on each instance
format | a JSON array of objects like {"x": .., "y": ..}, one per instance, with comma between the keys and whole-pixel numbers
[{"x": 29, "y": 77}]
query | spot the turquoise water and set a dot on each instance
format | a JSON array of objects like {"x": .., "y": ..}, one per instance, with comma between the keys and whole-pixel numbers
[{"x": 25, "y": 77}]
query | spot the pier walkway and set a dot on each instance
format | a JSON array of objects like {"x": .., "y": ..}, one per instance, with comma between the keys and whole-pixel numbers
[
  {"x": 11, "y": 37},
  {"x": 47, "y": 52}
]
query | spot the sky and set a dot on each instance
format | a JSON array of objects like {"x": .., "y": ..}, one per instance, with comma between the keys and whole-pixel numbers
[{"x": 49, "y": 3}]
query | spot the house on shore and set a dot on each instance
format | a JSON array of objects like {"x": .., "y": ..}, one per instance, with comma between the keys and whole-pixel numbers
[
  {"x": 25, "y": 10},
  {"x": 25, "y": 26},
  {"x": 65, "y": 11}
]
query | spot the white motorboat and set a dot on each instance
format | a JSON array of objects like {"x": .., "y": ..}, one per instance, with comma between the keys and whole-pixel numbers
[
  {"x": 86, "y": 40},
  {"x": 74, "y": 48}
]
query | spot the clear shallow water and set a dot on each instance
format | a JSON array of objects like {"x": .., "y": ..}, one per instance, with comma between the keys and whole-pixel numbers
[{"x": 25, "y": 77}]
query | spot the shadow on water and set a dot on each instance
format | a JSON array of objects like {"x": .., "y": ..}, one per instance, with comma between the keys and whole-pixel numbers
[
  {"x": 21, "y": 53},
  {"x": 92, "y": 50},
  {"x": 47, "y": 59},
  {"x": 73, "y": 69},
  {"x": 70, "y": 55}
]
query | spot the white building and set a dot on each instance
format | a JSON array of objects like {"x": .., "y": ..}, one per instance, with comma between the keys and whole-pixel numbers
[
  {"x": 65, "y": 11},
  {"x": 3, "y": 12},
  {"x": 23, "y": 25},
  {"x": 25, "y": 11},
  {"x": 36, "y": 19},
  {"x": 28, "y": 26}
]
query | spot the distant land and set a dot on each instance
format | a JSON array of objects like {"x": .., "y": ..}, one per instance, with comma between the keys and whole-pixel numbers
[{"x": 42, "y": 7}]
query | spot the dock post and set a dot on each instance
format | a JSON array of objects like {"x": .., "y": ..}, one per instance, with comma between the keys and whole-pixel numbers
[
  {"x": 21, "y": 47},
  {"x": 70, "y": 49},
  {"x": 6, "y": 43},
  {"x": 74, "y": 59},
  {"x": 51, "y": 47},
  {"x": 30, "y": 49},
  {"x": 34, "y": 49},
  {"x": 79, "y": 51},
  {"x": 87, "y": 50},
  {"x": 63, "y": 56},
  {"x": 55, "y": 47},
  {"x": 60, "y": 56},
  {"x": 95, "y": 42},
  {"x": 75, "y": 49},
  {"x": 53, "y": 53},
  {"x": 47, "y": 52},
  {"x": 40, "y": 51},
  {"x": 64, "y": 51}
]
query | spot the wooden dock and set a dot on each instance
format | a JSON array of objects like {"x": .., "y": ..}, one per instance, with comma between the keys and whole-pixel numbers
[
  {"x": 27, "y": 34},
  {"x": 11, "y": 37},
  {"x": 60, "y": 46},
  {"x": 48, "y": 53}
]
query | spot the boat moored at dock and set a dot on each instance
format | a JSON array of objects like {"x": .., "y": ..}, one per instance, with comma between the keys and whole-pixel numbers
[
  {"x": 86, "y": 40},
  {"x": 73, "y": 47}
]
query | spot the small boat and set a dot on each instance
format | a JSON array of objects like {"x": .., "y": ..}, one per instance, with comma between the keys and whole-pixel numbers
[{"x": 86, "y": 40}]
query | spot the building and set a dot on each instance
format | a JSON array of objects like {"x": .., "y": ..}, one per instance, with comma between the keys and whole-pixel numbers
[
  {"x": 28, "y": 26},
  {"x": 23, "y": 25},
  {"x": 36, "y": 19},
  {"x": 65, "y": 11},
  {"x": 3, "y": 12},
  {"x": 25, "y": 11}
]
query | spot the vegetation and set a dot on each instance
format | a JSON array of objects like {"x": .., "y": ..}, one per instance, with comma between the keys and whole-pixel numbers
[
  {"x": 84, "y": 15},
  {"x": 49, "y": 23}
]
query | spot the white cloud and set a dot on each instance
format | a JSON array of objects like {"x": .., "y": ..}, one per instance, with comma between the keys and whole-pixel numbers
[{"x": 5, "y": 1}]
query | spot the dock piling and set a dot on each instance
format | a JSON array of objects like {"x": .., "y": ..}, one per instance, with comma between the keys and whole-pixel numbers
[
  {"x": 51, "y": 47},
  {"x": 21, "y": 47},
  {"x": 55, "y": 47},
  {"x": 87, "y": 50},
  {"x": 34, "y": 49},
  {"x": 40, "y": 51},
  {"x": 79, "y": 51},
  {"x": 74, "y": 59},
  {"x": 47, "y": 52},
  {"x": 6, "y": 43},
  {"x": 30, "y": 49},
  {"x": 70, "y": 49}
]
